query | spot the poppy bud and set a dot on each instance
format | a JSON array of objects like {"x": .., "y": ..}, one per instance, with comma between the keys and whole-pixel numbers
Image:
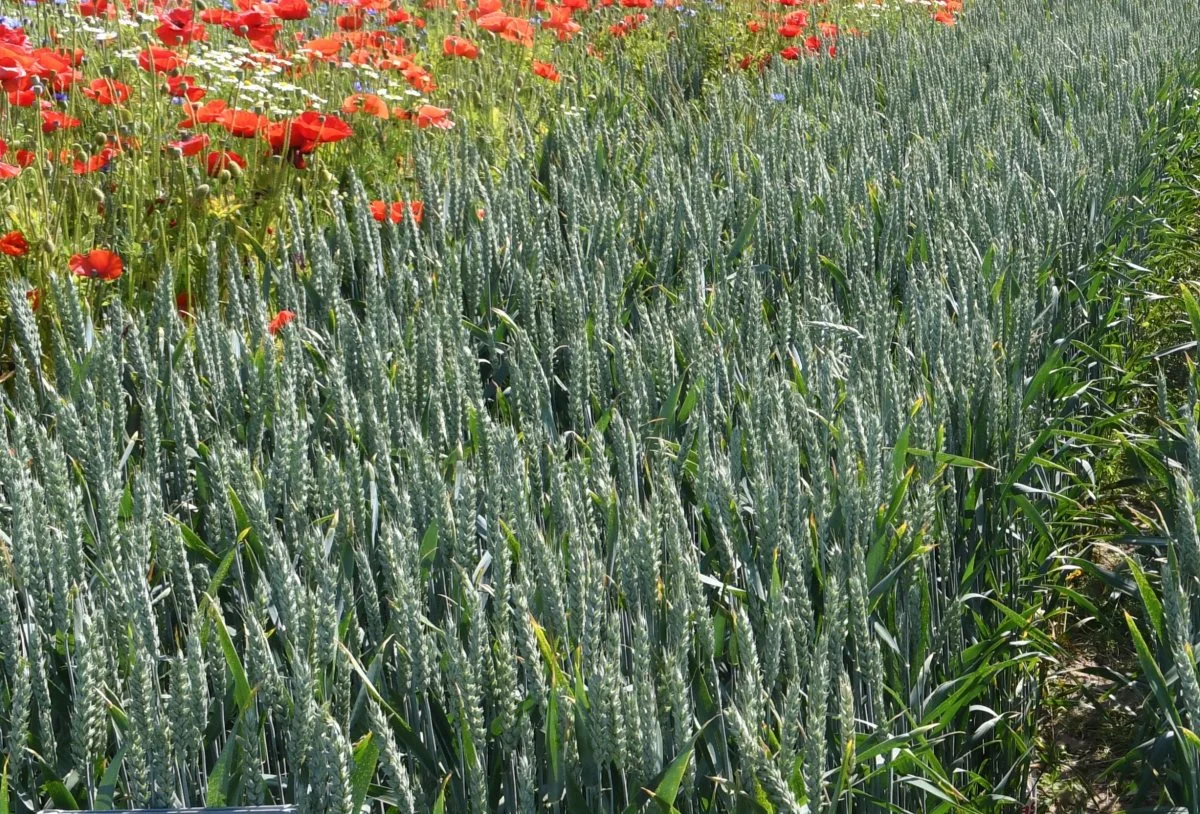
[
  {"x": 233, "y": 169},
  {"x": 201, "y": 192},
  {"x": 176, "y": 152},
  {"x": 98, "y": 194},
  {"x": 107, "y": 71},
  {"x": 100, "y": 139},
  {"x": 225, "y": 176},
  {"x": 327, "y": 177},
  {"x": 155, "y": 235},
  {"x": 51, "y": 246},
  {"x": 144, "y": 37}
]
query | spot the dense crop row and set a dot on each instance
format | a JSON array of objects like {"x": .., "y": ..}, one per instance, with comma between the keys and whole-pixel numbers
[
  {"x": 1165, "y": 648},
  {"x": 705, "y": 467}
]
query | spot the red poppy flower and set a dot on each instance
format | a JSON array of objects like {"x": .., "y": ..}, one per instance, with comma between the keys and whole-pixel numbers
[
  {"x": 14, "y": 36},
  {"x": 256, "y": 26},
  {"x": 47, "y": 61},
  {"x": 193, "y": 145},
  {"x": 222, "y": 160},
  {"x": 321, "y": 128},
  {"x": 185, "y": 87},
  {"x": 944, "y": 17},
  {"x": 21, "y": 98},
  {"x": 94, "y": 163},
  {"x": 366, "y": 103},
  {"x": 14, "y": 244},
  {"x": 282, "y": 139},
  {"x": 496, "y": 22},
  {"x": 281, "y": 319},
  {"x": 26, "y": 158},
  {"x": 394, "y": 212},
  {"x": 324, "y": 48},
  {"x": 791, "y": 52},
  {"x": 430, "y": 116},
  {"x": 350, "y": 22},
  {"x": 560, "y": 21},
  {"x": 159, "y": 60},
  {"x": 813, "y": 44},
  {"x": 632, "y": 22},
  {"x": 53, "y": 120},
  {"x": 243, "y": 123},
  {"x": 14, "y": 72},
  {"x": 62, "y": 82},
  {"x": 75, "y": 56},
  {"x": 290, "y": 9},
  {"x": 178, "y": 27},
  {"x": 402, "y": 17},
  {"x": 106, "y": 91},
  {"x": 485, "y": 7},
  {"x": 92, "y": 8},
  {"x": 420, "y": 78},
  {"x": 459, "y": 47},
  {"x": 206, "y": 113},
  {"x": 545, "y": 70},
  {"x": 9, "y": 170},
  {"x": 97, "y": 264},
  {"x": 518, "y": 30}
]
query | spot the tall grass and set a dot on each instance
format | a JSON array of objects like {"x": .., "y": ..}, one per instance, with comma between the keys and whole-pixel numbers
[
  {"x": 707, "y": 472},
  {"x": 1130, "y": 531}
]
